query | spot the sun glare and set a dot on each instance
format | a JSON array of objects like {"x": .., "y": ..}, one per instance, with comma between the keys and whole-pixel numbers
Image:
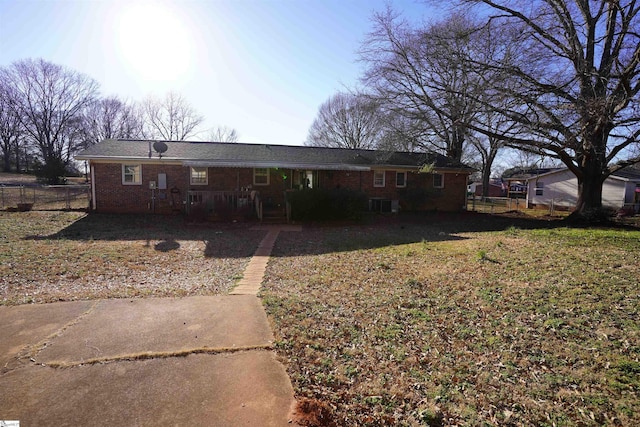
[{"x": 154, "y": 42}]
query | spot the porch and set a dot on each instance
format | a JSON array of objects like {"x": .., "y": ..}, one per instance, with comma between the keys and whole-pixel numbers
[{"x": 224, "y": 205}]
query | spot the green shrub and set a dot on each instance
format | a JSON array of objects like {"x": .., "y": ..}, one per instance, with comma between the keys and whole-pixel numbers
[{"x": 318, "y": 204}]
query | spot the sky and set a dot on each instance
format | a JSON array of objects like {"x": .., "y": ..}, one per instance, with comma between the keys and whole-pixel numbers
[{"x": 262, "y": 67}]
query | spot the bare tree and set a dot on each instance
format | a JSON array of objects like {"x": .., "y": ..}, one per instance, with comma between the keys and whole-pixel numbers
[
  {"x": 419, "y": 74},
  {"x": 11, "y": 133},
  {"x": 110, "y": 118},
  {"x": 399, "y": 133},
  {"x": 48, "y": 99},
  {"x": 573, "y": 69},
  {"x": 346, "y": 121},
  {"x": 223, "y": 134},
  {"x": 170, "y": 118}
]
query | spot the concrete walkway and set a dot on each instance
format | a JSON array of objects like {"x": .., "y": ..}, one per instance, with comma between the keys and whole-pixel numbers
[
  {"x": 254, "y": 273},
  {"x": 197, "y": 361}
]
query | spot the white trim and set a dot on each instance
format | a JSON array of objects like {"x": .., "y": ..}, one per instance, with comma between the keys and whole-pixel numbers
[
  {"x": 93, "y": 186},
  {"x": 139, "y": 181},
  {"x": 441, "y": 181},
  {"x": 270, "y": 165},
  {"x": 384, "y": 178},
  {"x": 268, "y": 175},
  {"x": 404, "y": 185},
  {"x": 206, "y": 175}
]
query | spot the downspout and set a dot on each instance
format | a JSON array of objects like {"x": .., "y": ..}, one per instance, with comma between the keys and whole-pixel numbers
[{"x": 93, "y": 186}]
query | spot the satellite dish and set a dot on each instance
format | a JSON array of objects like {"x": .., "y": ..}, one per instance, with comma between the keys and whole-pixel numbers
[{"x": 160, "y": 147}]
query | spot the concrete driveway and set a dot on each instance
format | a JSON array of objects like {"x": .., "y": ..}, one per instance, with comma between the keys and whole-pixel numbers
[{"x": 196, "y": 361}]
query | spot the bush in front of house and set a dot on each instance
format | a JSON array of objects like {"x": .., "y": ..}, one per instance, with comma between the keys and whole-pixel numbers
[
  {"x": 317, "y": 204},
  {"x": 417, "y": 199}
]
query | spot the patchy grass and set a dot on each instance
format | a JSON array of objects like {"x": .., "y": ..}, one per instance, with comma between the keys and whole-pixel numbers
[
  {"x": 433, "y": 324},
  {"x": 60, "y": 256}
]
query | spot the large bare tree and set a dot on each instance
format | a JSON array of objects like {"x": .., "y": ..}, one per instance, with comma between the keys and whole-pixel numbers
[
  {"x": 346, "y": 120},
  {"x": 419, "y": 74},
  {"x": 573, "y": 76},
  {"x": 48, "y": 99},
  {"x": 110, "y": 118},
  {"x": 11, "y": 134},
  {"x": 170, "y": 118}
]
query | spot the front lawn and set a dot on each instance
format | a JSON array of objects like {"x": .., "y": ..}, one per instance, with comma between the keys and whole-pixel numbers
[{"x": 446, "y": 324}]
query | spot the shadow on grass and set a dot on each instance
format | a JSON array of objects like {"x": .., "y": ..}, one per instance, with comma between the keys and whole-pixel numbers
[
  {"x": 163, "y": 233},
  {"x": 230, "y": 240},
  {"x": 377, "y": 231}
]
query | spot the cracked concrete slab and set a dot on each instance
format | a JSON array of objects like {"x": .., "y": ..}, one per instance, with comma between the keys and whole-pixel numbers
[
  {"x": 240, "y": 389},
  {"x": 27, "y": 325},
  {"x": 119, "y": 328}
]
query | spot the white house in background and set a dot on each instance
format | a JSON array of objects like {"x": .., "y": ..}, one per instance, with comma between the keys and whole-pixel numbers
[{"x": 560, "y": 189}]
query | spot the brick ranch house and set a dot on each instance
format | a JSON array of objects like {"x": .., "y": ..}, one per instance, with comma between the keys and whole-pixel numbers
[{"x": 135, "y": 176}]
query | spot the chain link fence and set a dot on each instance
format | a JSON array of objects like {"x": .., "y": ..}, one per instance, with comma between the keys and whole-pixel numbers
[
  {"x": 50, "y": 197},
  {"x": 495, "y": 204}
]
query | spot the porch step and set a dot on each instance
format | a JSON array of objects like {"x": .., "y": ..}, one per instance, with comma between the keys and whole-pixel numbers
[{"x": 274, "y": 216}]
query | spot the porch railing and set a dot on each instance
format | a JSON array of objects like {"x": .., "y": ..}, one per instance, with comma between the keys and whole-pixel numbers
[{"x": 223, "y": 203}]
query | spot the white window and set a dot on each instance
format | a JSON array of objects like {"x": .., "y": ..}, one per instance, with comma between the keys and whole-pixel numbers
[
  {"x": 438, "y": 180},
  {"x": 260, "y": 176},
  {"x": 539, "y": 188},
  {"x": 378, "y": 178},
  {"x": 131, "y": 174},
  {"x": 199, "y": 176},
  {"x": 401, "y": 179}
]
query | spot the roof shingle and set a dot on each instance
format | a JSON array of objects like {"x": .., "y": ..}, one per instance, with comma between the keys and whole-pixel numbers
[{"x": 262, "y": 155}]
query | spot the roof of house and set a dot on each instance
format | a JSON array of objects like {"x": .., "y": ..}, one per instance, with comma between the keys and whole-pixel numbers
[
  {"x": 219, "y": 154},
  {"x": 630, "y": 173},
  {"x": 525, "y": 174}
]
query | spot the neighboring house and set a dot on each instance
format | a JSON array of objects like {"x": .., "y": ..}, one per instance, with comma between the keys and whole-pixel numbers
[
  {"x": 136, "y": 176},
  {"x": 496, "y": 189},
  {"x": 560, "y": 189}
]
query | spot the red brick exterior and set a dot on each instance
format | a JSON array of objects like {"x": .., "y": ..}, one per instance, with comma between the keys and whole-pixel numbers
[
  {"x": 114, "y": 196},
  {"x": 111, "y": 195},
  {"x": 419, "y": 193}
]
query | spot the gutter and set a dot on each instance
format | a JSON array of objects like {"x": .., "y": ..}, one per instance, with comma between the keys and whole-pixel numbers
[
  {"x": 272, "y": 164},
  {"x": 262, "y": 164}
]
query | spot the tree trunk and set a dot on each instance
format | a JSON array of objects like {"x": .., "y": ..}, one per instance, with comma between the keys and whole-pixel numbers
[
  {"x": 589, "y": 193},
  {"x": 17, "y": 158},
  {"x": 486, "y": 177},
  {"x": 589, "y": 204},
  {"x": 6, "y": 167}
]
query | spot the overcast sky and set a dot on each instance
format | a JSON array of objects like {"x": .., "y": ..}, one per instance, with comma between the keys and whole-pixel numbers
[{"x": 262, "y": 67}]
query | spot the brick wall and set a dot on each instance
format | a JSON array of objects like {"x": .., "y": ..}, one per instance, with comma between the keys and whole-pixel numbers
[
  {"x": 113, "y": 196},
  {"x": 418, "y": 195}
]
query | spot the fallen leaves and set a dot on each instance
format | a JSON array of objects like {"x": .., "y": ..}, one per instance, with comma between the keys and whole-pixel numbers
[
  {"x": 61, "y": 256},
  {"x": 403, "y": 325}
]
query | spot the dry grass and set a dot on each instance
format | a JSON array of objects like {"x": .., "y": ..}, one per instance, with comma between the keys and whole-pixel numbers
[
  {"x": 60, "y": 256},
  {"x": 473, "y": 322}
]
